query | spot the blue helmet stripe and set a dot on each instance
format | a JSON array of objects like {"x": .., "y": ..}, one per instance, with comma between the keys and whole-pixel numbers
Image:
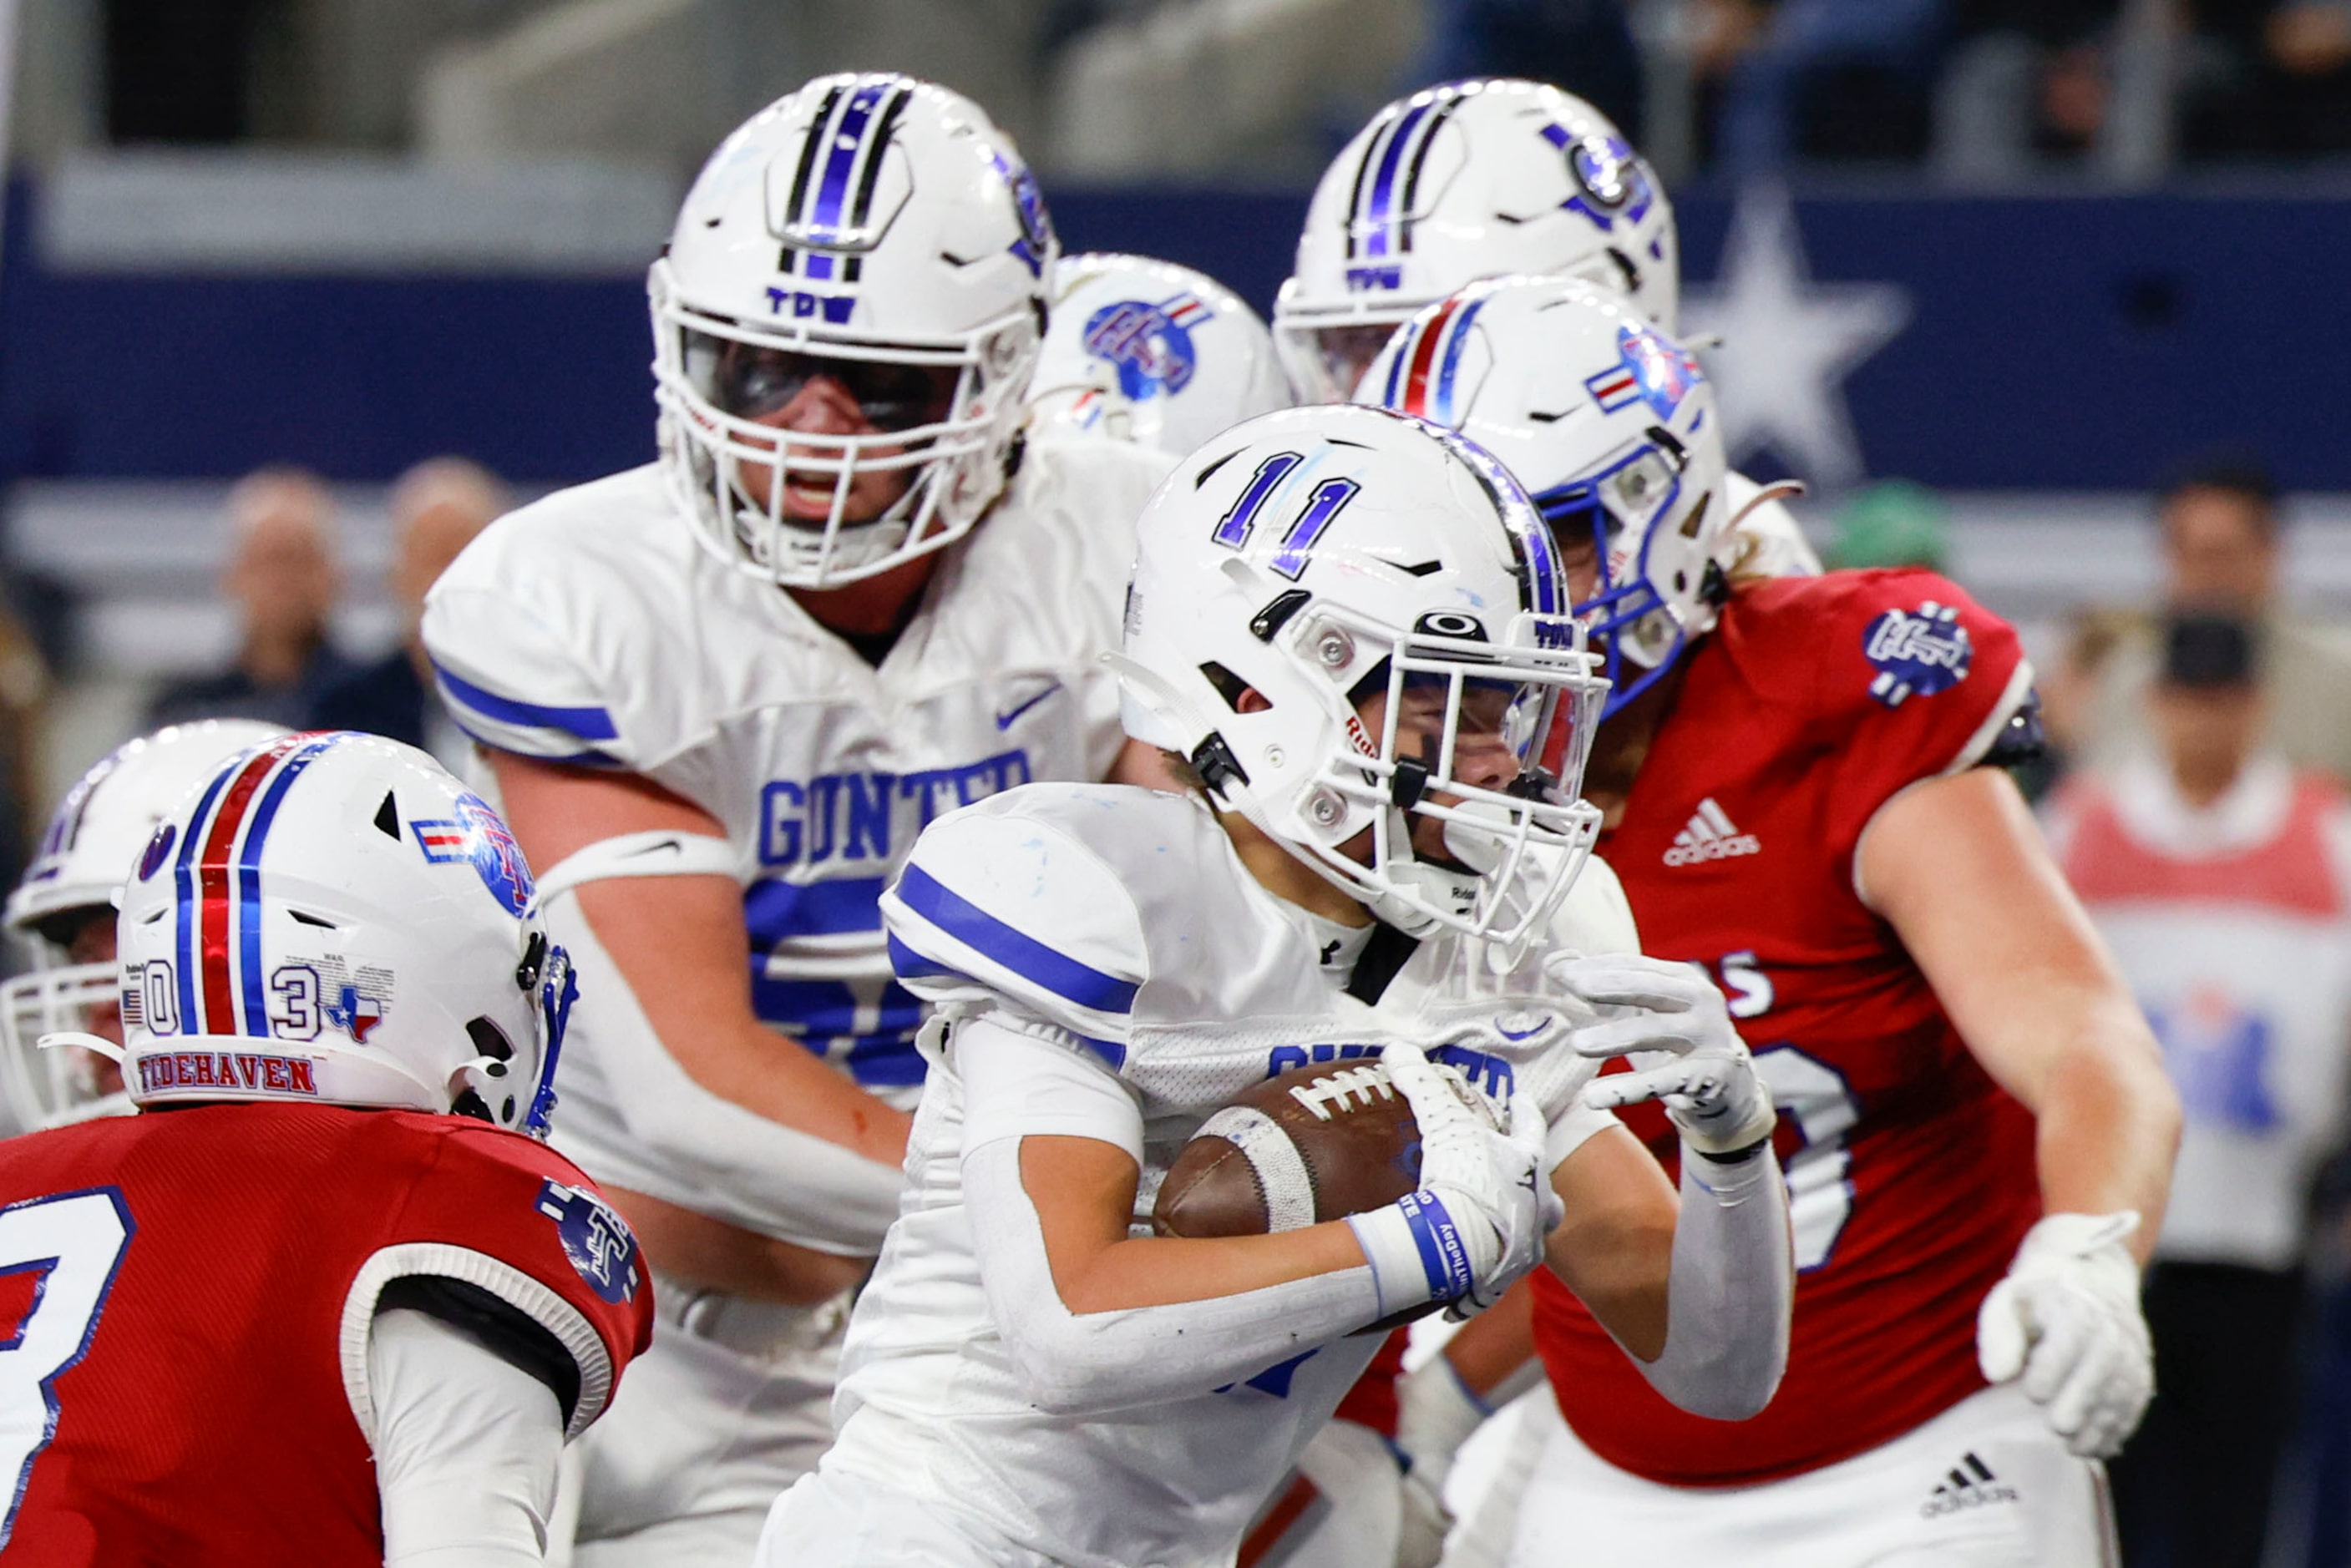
[
  {"x": 1384, "y": 192},
  {"x": 1452, "y": 361},
  {"x": 841, "y": 154}
]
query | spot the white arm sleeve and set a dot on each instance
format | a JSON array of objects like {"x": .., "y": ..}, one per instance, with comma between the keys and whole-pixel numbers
[
  {"x": 747, "y": 1170},
  {"x": 1016, "y": 1083},
  {"x": 1733, "y": 1279},
  {"x": 465, "y": 1448}
]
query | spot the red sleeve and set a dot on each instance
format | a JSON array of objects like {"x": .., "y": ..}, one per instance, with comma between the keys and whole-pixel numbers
[
  {"x": 1915, "y": 678},
  {"x": 507, "y": 1213}
]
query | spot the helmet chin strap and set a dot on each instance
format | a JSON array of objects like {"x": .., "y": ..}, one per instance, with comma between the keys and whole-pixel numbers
[{"x": 106, "y": 1048}]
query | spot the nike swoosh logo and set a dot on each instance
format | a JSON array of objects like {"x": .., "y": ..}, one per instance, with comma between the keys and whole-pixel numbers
[
  {"x": 1007, "y": 719},
  {"x": 1509, "y": 1033},
  {"x": 668, "y": 843}
]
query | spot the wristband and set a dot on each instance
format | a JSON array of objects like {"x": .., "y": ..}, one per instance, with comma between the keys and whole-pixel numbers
[{"x": 1416, "y": 1252}]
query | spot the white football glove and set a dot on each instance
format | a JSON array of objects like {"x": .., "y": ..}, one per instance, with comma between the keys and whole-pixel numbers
[
  {"x": 1710, "y": 1088},
  {"x": 1435, "y": 1413},
  {"x": 1478, "y": 1220},
  {"x": 2067, "y": 1319}
]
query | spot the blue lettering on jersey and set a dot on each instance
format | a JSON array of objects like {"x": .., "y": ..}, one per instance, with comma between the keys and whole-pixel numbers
[
  {"x": 872, "y": 815},
  {"x": 1486, "y": 1071},
  {"x": 859, "y": 822},
  {"x": 1916, "y": 652},
  {"x": 596, "y": 1240}
]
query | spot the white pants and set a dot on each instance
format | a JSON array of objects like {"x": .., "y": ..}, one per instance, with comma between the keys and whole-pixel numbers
[
  {"x": 1984, "y": 1485},
  {"x": 731, "y": 1405},
  {"x": 1357, "y": 1512}
]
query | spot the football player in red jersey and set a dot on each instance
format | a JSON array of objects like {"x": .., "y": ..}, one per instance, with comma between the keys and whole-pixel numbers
[
  {"x": 1976, "y": 1127},
  {"x": 320, "y": 1300}
]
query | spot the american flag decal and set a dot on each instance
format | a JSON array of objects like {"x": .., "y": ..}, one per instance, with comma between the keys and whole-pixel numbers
[{"x": 1613, "y": 387}]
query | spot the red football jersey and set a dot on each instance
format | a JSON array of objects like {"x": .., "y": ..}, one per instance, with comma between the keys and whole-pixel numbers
[
  {"x": 1911, "y": 1173},
  {"x": 184, "y": 1304}
]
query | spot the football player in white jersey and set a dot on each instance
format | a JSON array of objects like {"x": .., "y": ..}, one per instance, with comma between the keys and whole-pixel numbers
[
  {"x": 1349, "y": 626},
  {"x": 1145, "y": 351},
  {"x": 719, "y": 696},
  {"x": 1477, "y": 179}
]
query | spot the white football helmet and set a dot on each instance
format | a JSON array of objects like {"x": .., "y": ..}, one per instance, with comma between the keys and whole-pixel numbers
[
  {"x": 331, "y": 919},
  {"x": 1151, "y": 352},
  {"x": 74, "y": 879},
  {"x": 881, "y": 231},
  {"x": 1319, "y": 557},
  {"x": 1610, "y": 425},
  {"x": 1456, "y": 182}
]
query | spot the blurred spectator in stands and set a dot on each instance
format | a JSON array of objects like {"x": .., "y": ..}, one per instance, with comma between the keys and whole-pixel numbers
[
  {"x": 2067, "y": 687},
  {"x": 1892, "y": 523},
  {"x": 1847, "y": 79},
  {"x": 2219, "y": 875},
  {"x": 436, "y": 507},
  {"x": 2266, "y": 77},
  {"x": 2027, "y": 80},
  {"x": 1583, "y": 45},
  {"x": 2221, "y": 551},
  {"x": 282, "y": 578}
]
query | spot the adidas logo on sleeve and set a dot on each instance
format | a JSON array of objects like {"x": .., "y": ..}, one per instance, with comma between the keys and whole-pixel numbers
[
  {"x": 1710, "y": 836},
  {"x": 1970, "y": 1484}
]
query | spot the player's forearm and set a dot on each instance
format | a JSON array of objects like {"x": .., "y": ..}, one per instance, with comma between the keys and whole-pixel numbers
[
  {"x": 1733, "y": 1285},
  {"x": 2107, "y": 1124},
  {"x": 1079, "y": 1363},
  {"x": 659, "y": 940}
]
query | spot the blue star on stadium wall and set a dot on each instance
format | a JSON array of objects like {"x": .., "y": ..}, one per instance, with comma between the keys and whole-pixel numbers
[{"x": 1784, "y": 344}]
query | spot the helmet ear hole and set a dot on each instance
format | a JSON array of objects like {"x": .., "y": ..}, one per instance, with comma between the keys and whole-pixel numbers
[
  {"x": 489, "y": 1039},
  {"x": 469, "y": 1104}
]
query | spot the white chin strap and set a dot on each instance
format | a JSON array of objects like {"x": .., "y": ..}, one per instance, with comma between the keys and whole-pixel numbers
[{"x": 657, "y": 852}]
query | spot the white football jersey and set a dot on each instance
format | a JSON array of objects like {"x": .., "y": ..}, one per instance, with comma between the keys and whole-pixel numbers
[
  {"x": 591, "y": 628},
  {"x": 1124, "y": 917}
]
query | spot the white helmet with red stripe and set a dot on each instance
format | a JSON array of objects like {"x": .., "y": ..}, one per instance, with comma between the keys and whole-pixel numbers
[
  {"x": 332, "y": 919},
  {"x": 881, "y": 231},
  {"x": 1311, "y": 560},
  {"x": 1151, "y": 352},
  {"x": 1456, "y": 182},
  {"x": 1609, "y": 424},
  {"x": 62, "y": 915}
]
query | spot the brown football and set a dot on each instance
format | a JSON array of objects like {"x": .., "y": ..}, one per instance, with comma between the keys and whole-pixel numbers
[{"x": 1319, "y": 1142}]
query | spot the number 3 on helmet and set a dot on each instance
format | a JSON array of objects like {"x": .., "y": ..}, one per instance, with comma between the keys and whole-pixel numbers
[{"x": 331, "y": 919}]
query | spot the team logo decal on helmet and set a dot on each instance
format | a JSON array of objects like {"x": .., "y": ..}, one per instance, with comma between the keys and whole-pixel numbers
[
  {"x": 1611, "y": 185},
  {"x": 595, "y": 1239},
  {"x": 1037, "y": 244},
  {"x": 479, "y": 837},
  {"x": 1651, "y": 371},
  {"x": 1916, "y": 653},
  {"x": 1150, "y": 346}
]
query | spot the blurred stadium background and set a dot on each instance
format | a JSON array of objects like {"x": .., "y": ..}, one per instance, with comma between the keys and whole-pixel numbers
[
  {"x": 2030, "y": 253},
  {"x": 2025, "y": 255}
]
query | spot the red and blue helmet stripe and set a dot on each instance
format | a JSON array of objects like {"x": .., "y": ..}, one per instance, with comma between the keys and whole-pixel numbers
[
  {"x": 217, "y": 876},
  {"x": 1425, "y": 366}
]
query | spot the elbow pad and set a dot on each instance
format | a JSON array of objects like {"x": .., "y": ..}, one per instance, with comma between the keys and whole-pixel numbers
[
  {"x": 684, "y": 1144},
  {"x": 1733, "y": 1282},
  {"x": 1095, "y": 1363}
]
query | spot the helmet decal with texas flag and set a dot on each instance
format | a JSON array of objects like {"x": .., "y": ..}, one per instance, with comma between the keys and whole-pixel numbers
[{"x": 478, "y": 836}]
